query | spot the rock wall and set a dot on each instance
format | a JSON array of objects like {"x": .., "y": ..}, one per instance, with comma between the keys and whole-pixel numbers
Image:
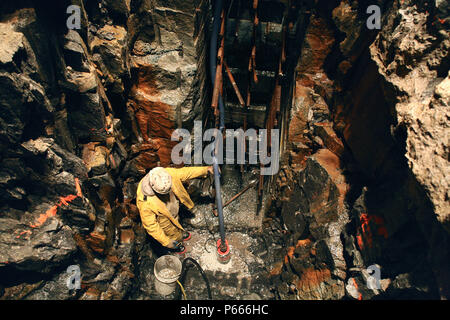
[{"x": 84, "y": 115}]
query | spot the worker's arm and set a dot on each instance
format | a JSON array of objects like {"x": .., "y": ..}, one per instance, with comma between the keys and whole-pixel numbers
[
  {"x": 150, "y": 224},
  {"x": 188, "y": 173}
]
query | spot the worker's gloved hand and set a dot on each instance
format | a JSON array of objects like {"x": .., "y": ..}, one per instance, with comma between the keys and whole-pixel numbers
[
  {"x": 211, "y": 170},
  {"x": 174, "y": 245}
]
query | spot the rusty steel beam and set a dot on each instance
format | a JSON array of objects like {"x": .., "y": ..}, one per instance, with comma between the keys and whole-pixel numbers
[
  {"x": 221, "y": 62},
  {"x": 283, "y": 46},
  {"x": 218, "y": 82},
  {"x": 274, "y": 107},
  {"x": 216, "y": 90},
  {"x": 222, "y": 25},
  {"x": 255, "y": 76},
  {"x": 247, "y": 104}
]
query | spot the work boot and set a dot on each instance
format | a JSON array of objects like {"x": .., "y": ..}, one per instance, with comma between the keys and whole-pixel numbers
[
  {"x": 186, "y": 236},
  {"x": 180, "y": 249}
]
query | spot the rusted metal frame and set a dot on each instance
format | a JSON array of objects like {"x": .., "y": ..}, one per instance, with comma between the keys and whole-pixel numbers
[
  {"x": 218, "y": 83},
  {"x": 252, "y": 60},
  {"x": 233, "y": 83},
  {"x": 255, "y": 4},
  {"x": 260, "y": 190},
  {"x": 252, "y": 73},
  {"x": 270, "y": 122},
  {"x": 252, "y": 63},
  {"x": 283, "y": 46},
  {"x": 274, "y": 107},
  {"x": 247, "y": 104}
]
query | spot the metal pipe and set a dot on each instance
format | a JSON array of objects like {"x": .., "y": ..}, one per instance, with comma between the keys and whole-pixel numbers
[
  {"x": 213, "y": 57},
  {"x": 219, "y": 202}
]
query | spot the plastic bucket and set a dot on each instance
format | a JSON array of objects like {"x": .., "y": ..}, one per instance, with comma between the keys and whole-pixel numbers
[{"x": 167, "y": 270}]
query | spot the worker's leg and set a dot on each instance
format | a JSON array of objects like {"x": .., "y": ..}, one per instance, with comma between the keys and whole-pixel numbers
[
  {"x": 157, "y": 247},
  {"x": 170, "y": 230}
]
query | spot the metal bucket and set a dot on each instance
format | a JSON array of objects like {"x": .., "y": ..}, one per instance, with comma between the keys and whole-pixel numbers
[{"x": 167, "y": 270}]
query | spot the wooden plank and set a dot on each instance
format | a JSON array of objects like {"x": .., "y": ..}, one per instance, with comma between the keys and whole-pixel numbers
[{"x": 235, "y": 87}]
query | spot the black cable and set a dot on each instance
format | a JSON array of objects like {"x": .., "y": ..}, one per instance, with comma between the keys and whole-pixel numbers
[{"x": 183, "y": 277}]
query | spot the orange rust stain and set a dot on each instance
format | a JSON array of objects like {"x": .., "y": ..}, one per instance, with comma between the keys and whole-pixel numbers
[
  {"x": 43, "y": 217},
  {"x": 127, "y": 236},
  {"x": 22, "y": 233},
  {"x": 156, "y": 119},
  {"x": 289, "y": 254},
  {"x": 356, "y": 286},
  {"x": 113, "y": 259},
  {"x": 365, "y": 220},
  {"x": 145, "y": 160},
  {"x": 96, "y": 241},
  {"x": 165, "y": 150},
  {"x": 113, "y": 162},
  {"x": 276, "y": 270},
  {"x": 311, "y": 278},
  {"x": 65, "y": 200},
  {"x": 360, "y": 241},
  {"x": 54, "y": 209},
  {"x": 291, "y": 250},
  {"x": 303, "y": 243},
  {"x": 91, "y": 291},
  {"x": 320, "y": 39}
]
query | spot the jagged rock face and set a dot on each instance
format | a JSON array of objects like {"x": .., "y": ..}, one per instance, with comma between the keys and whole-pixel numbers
[
  {"x": 168, "y": 57},
  {"x": 377, "y": 100},
  {"x": 419, "y": 74},
  {"x": 400, "y": 77},
  {"x": 84, "y": 114},
  {"x": 316, "y": 221}
]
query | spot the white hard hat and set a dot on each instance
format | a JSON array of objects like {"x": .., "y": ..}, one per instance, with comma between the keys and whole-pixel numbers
[{"x": 157, "y": 180}]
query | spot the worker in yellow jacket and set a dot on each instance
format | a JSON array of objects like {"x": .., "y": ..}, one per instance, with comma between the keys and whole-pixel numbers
[{"x": 158, "y": 199}]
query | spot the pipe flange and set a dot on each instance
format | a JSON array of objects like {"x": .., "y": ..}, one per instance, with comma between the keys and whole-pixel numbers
[{"x": 223, "y": 256}]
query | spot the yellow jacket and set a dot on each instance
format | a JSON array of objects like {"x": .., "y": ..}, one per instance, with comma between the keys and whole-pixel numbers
[{"x": 155, "y": 217}]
